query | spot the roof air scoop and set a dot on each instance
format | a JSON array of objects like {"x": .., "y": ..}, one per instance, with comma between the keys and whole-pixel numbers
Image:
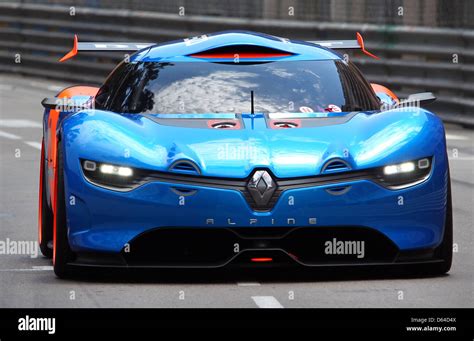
[{"x": 241, "y": 52}]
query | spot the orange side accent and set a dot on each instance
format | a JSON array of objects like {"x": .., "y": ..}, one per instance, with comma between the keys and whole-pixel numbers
[
  {"x": 52, "y": 142},
  {"x": 40, "y": 201},
  {"x": 71, "y": 53},
  {"x": 55, "y": 208},
  {"x": 78, "y": 90},
  {"x": 360, "y": 40},
  {"x": 381, "y": 88},
  {"x": 52, "y": 126}
]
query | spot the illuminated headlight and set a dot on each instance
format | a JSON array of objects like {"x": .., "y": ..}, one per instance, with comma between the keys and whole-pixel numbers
[
  {"x": 401, "y": 168},
  {"x": 405, "y": 174},
  {"x": 110, "y": 176},
  {"x": 115, "y": 170}
]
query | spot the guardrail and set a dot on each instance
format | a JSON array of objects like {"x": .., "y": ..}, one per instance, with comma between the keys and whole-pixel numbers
[{"x": 413, "y": 59}]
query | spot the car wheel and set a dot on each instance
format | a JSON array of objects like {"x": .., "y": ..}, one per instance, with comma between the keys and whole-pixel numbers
[
  {"x": 445, "y": 249},
  {"x": 45, "y": 223},
  {"x": 62, "y": 253}
]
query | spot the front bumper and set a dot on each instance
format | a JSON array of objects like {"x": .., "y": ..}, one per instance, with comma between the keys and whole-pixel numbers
[
  {"x": 102, "y": 220},
  {"x": 257, "y": 247}
]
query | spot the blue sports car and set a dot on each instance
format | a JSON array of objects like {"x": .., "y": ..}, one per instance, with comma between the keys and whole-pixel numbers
[{"x": 242, "y": 149}]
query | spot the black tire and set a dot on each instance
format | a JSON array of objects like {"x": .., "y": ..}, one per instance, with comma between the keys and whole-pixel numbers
[
  {"x": 63, "y": 253},
  {"x": 445, "y": 249},
  {"x": 46, "y": 229}
]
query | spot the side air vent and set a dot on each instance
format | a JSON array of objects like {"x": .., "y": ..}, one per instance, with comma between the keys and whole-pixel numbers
[
  {"x": 338, "y": 190},
  {"x": 185, "y": 167},
  {"x": 336, "y": 165}
]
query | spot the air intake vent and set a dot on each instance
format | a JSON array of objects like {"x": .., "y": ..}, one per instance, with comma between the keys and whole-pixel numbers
[
  {"x": 336, "y": 165},
  {"x": 185, "y": 167},
  {"x": 285, "y": 125},
  {"x": 224, "y": 125}
]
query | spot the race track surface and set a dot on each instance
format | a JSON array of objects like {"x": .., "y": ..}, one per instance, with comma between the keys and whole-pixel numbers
[{"x": 30, "y": 282}]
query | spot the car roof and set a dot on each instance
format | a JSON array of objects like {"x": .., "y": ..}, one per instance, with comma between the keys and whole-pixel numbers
[{"x": 185, "y": 50}]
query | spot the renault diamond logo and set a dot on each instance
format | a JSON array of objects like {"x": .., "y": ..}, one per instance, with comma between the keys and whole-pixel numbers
[{"x": 261, "y": 187}]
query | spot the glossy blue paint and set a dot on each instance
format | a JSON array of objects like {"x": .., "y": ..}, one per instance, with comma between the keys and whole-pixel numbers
[
  {"x": 180, "y": 50},
  {"x": 386, "y": 99},
  {"x": 105, "y": 220},
  {"x": 97, "y": 221},
  {"x": 371, "y": 140}
]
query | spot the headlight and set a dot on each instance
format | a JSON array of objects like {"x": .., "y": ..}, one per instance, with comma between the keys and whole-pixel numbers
[
  {"x": 116, "y": 170},
  {"x": 404, "y": 174},
  {"x": 401, "y": 168},
  {"x": 111, "y": 176}
]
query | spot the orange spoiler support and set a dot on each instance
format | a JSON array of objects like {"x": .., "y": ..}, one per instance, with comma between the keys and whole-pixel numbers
[{"x": 360, "y": 40}]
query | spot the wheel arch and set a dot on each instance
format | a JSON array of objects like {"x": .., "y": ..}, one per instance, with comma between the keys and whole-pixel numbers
[{"x": 51, "y": 122}]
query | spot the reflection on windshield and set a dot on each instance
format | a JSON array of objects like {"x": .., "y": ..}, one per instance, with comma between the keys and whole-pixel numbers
[
  {"x": 230, "y": 93},
  {"x": 284, "y": 87}
]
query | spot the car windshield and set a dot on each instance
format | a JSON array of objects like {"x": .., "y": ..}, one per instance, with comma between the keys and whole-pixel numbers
[{"x": 210, "y": 87}]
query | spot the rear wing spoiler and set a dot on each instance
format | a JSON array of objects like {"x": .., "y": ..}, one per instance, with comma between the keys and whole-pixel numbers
[
  {"x": 358, "y": 43},
  {"x": 102, "y": 46},
  {"x": 346, "y": 45}
]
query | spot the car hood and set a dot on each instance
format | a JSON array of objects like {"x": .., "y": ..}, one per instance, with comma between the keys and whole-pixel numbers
[{"x": 363, "y": 140}]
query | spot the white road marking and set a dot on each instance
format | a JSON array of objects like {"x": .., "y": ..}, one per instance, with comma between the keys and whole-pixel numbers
[
  {"x": 6, "y": 87},
  {"x": 43, "y": 268},
  {"x": 20, "y": 124},
  {"x": 461, "y": 158},
  {"x": 9, "y": 136},
  {"x": 34, "y": 144},
  {"x": 34, "y": 268},
  {"x": 50, "y": 87},
  {"x": 248, "y": 284},
  {"x": 456, "y": 137},
  {"x": 266, "y": 302}
]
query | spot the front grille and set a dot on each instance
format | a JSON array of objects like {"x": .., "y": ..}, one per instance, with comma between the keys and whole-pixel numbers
[
  {"x": 260, "y": 195},
  {"x": 185, "y": 173},
  {"x": 241, "y": 184}
]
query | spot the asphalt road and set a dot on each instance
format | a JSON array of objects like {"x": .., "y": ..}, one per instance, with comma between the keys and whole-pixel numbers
[{"x": 26, "y": 281}]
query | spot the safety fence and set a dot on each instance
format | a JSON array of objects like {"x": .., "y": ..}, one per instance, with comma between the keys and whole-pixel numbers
[{"x": 413, "y": 58}]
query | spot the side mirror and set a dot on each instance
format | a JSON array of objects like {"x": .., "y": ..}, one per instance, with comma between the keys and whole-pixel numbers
[
  {"x": 49, "y": 103},
  {"x": 67, "y": 104},
  {"x": 422, "y": 98}
]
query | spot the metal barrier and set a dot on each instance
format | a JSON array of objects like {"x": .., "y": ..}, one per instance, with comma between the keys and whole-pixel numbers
[
  {"x": 414, "y": 59},
  {"x": 430, "y": 13}
]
